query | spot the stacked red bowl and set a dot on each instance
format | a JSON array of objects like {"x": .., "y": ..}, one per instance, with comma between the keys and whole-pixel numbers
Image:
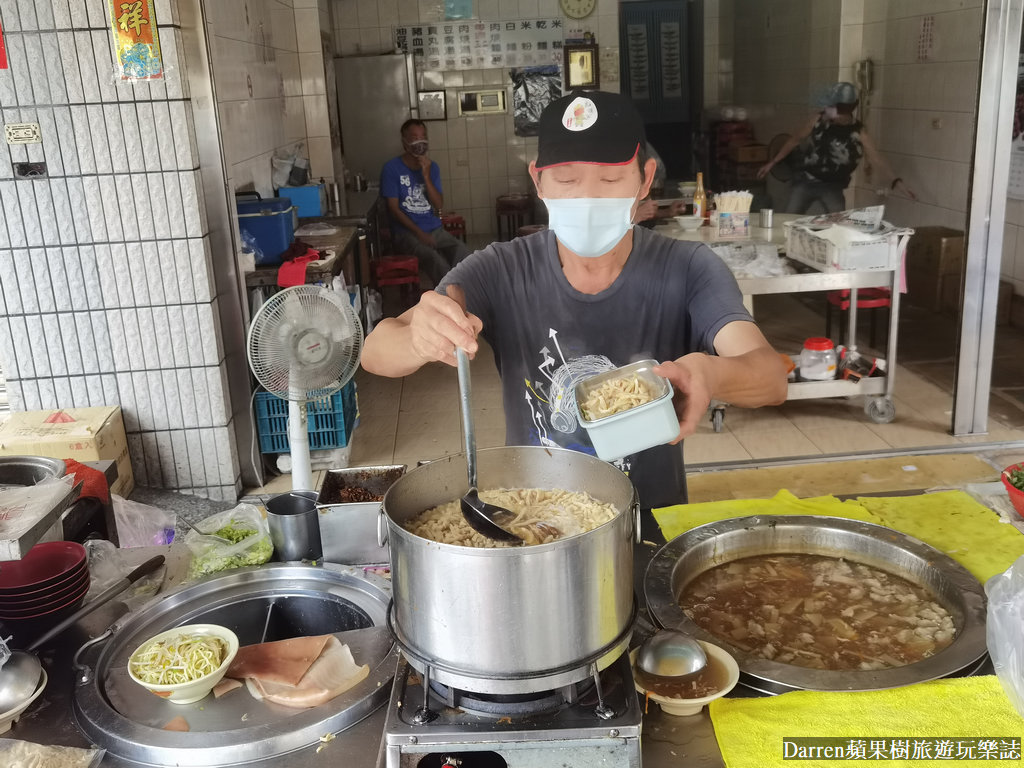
[{"x": 45, "y": 586}]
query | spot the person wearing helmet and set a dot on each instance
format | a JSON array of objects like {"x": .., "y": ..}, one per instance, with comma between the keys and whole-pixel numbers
[
  {"x": 591, "y": 293},
  {"x": 837, "y": 142}
]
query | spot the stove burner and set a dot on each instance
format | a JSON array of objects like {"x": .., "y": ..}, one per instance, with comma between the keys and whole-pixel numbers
[{"x": 510, "y": 705}]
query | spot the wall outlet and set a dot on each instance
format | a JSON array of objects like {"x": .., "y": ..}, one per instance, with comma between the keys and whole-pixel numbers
[
  {"x": 29, "y": 170},
  {"x": 23, "y": 133}
]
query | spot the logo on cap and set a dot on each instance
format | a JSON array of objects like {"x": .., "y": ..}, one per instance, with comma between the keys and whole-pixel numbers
[{"x": 580, "y": 114}]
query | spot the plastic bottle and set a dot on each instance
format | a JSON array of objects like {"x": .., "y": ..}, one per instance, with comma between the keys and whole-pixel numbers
[
  {"x": 818, "y": 360},
  {"x": 700, "y": 198}
]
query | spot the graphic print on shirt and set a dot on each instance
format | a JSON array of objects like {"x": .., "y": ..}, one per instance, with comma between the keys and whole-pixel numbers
[
  {"x": 552, "y": 396},
  {"x": 415, "y": 200}
]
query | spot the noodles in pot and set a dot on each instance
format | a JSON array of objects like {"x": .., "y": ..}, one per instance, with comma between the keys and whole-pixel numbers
[
  {"x": 615, "y": 396},
  {"x": 541, "y": 516}
]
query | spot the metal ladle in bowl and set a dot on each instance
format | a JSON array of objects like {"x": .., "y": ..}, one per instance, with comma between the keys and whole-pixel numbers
[
  {"x": 671, "y": 656},
  {"x": 19, "y": 677},
  {"x": 486, "y": 519}
]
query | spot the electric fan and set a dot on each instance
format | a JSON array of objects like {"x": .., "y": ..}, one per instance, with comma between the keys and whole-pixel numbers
[{"x": 304, "y": 345}]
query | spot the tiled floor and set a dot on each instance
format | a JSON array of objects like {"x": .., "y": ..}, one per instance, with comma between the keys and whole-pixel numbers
[{"x": 407, "y": 420}]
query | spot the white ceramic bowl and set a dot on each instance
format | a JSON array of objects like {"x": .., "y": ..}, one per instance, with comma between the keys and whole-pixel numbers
[
  {"x": 673, "y": 706},
  {"x": 12, "y": 715},
  {"x": 689, "y": 223},
  {"x": 687, "y": 188},
  {"x": 194, "y": 690}
]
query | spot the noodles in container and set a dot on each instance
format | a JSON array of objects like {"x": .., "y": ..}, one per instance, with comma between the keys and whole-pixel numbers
[
  {"x": 183, "y": 664},
  {"x": 626, "y": 410}
]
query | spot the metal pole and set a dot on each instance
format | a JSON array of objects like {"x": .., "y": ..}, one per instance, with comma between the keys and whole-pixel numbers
[{"x": 987, "y": 214}]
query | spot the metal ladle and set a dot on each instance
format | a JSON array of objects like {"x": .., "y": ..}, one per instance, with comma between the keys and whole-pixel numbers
[
  {"x": 486, "y": 519},
  {"x": 671, "y": 656}
]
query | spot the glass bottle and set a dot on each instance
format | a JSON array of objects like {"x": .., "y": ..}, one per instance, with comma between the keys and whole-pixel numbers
[{"x": 700, "y": 198}]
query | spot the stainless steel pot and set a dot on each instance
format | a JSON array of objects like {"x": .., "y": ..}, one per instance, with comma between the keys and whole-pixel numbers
[
  {"x": 687, "y": 556},
  {"x": 513, "y": 620}
]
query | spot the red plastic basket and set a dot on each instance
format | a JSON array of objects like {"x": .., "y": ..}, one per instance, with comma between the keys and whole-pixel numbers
[{"x": 1016, "y": 494}]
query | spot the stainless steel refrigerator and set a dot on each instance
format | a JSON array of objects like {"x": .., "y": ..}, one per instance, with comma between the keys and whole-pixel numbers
[{"x": 376, "y": 94}]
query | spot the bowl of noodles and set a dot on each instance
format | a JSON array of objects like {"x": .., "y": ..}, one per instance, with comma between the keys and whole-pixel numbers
[
  {"x": 626, "y": 410},
  {"x": 184, "y": 664}
]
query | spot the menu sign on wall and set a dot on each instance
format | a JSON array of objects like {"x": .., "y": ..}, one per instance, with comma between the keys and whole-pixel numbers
[{"x": 475, "y": 44}]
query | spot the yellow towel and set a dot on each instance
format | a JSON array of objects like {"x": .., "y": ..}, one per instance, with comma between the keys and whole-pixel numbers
[
  {"x": 954, "y": 523},
  {"x": 750, "y": 731},
  {"x": 682, "y": 517},
  {"x": 950, "y": 521}
]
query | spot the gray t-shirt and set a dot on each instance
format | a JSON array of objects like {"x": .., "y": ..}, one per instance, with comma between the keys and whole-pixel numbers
[{"x": 671, "y": 299}]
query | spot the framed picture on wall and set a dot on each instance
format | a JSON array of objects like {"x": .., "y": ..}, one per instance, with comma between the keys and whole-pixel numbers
[
  {"x": 432, "y": 105},
  {"x": 581, "y": 68}
]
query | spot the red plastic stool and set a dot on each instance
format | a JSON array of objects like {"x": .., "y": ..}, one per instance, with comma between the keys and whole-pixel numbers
[
  {"x": 403, "y": 271},
  {"x": 510, "y": 212},
  {"x": 454, "y": 224},
  {"x": 867, "y": 298}
]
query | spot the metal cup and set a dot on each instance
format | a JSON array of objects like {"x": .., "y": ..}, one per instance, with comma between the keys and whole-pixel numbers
[
  {"x": 766, "y": 218},
  {"x": 295, "y": 526}
]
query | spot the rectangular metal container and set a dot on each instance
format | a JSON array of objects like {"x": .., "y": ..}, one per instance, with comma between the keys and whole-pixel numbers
[
  {"x": 348, "y": 530},
  {"x": 636, "y": 429}
]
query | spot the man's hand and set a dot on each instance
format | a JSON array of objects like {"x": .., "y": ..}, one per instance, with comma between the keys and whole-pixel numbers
[
  {"x": 690, "y": 378},
  {"x": 648, "y": 209},
  {"x": 426, "y": 238},
  {"x": 424, "y": 161},
  {"x": 764, "y": 169},
  {"x": 439, "y": 324}
]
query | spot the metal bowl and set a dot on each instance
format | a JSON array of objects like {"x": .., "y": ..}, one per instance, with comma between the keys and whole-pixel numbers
[{"x": 702, "y": 548}]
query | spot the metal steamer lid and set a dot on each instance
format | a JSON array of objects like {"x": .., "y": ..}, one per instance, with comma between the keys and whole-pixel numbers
[
  {"x": 713, "y": 544},
  {"x": 274, "y": 601}
]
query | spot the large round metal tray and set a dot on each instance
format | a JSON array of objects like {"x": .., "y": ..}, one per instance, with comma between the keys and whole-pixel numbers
[
  {"x": 272, "y": 602},
  {"x": 704, "y": 547}
]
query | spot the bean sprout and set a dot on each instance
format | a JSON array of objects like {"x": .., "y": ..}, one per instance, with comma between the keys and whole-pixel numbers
[{"x": 179, "y": 659}]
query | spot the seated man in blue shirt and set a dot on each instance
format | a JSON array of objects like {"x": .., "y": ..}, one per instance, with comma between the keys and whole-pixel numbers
[{"x": 411, "y": 184}]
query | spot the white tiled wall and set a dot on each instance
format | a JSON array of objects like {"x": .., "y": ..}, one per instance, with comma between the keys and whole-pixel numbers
[
  {"x": 269, "y": 74},
  {"x": 480, "y": 157},
  {"x": 106, "y": 290}
]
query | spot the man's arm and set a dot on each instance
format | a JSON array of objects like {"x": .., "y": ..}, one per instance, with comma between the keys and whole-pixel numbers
[
  {"x": 398, "y": 215},
  {"x": 746, "y": 372},
  {"x": 792, "y": 143},
  {"x": 428, "y": 332}
]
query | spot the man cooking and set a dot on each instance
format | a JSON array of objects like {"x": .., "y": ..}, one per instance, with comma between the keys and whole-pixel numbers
[{"x": 591, "y": 293}]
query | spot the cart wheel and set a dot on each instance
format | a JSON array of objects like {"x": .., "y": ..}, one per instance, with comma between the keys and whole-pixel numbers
[
  {"x": 880, "y": 410},
  {"x": 717, "y": 418}
]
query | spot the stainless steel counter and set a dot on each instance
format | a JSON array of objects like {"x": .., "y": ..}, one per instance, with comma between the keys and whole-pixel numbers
[{"x": 666, "y": 740}]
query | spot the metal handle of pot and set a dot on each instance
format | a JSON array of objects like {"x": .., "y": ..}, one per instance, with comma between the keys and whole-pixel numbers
[
  {"x": 637, "y": 523},
  {"x": 465, "y": 400},
  {"x": 382, "y": 528},
  {"x": 83, "y": 672}
]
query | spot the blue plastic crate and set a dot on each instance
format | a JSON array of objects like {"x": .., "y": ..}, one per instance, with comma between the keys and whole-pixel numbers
[{"x": 330, "y": 421}]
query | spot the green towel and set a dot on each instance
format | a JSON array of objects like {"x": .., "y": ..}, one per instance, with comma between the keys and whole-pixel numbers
[{"x": 750, "y": 731}]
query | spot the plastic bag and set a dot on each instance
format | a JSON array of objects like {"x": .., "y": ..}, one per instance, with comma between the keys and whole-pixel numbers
[
  {"x": 107, "y": 567},
  {"x": 140, "y": 525},
  {"x": 26, "y": 754},
  {"x": 244, "y": 526},
  {"x": 281, "y": 163},
  {"x": 1003, "y": 630}
]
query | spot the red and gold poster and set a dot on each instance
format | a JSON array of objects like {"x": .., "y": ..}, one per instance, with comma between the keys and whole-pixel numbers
[{"x": 136, "y": 42}]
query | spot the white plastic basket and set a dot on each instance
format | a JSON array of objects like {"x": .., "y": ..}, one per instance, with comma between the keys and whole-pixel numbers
[{"x": 803, "y": 244}]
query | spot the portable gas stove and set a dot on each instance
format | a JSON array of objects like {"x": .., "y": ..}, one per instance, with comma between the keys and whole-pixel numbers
[{"x": 592, "y": 724}]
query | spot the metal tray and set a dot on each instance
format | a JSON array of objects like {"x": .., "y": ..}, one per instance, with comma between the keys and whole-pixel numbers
[{"x": 704, "y": 547}]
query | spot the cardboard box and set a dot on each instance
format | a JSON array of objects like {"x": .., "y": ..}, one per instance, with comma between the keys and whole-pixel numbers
[
  {"x": 749, "y": 153},
  {"x": 83, "y": 434},
  {"x": 950, "y": 288},
  {"x": 933, "y": 254}
]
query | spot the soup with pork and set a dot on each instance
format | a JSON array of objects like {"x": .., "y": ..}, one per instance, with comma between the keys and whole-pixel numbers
[{"x": 819, "y": 612}]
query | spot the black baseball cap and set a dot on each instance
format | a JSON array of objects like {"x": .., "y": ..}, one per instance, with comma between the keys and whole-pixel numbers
[{"x": 591, "y": 127}]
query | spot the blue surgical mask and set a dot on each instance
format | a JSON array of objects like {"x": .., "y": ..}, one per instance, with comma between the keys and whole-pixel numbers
[{"x": 590, "y": 226}]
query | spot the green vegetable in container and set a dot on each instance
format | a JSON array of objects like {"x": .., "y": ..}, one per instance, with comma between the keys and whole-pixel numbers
[
  {"x": 1016, "y": 478},
  {"x": 212, "y": 556}
]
